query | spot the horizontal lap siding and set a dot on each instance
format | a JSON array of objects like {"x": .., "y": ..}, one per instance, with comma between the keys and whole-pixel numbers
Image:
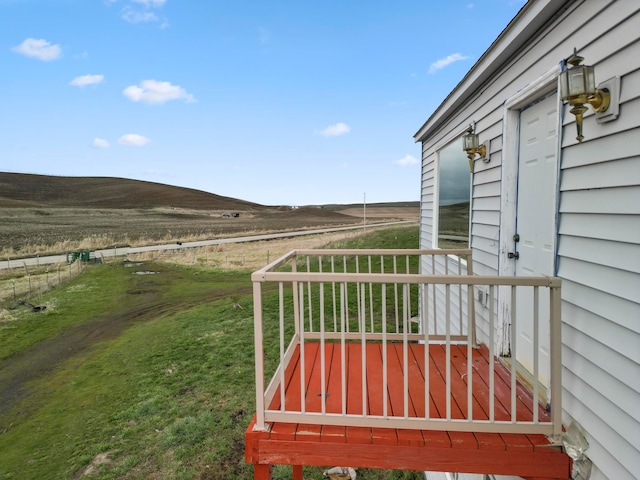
[
  {"x": 618, "y": 423},
  {"x": 619, "y": 367},
  {"x": 609, "y": 201},
  {"x": 598, "y": 223},
  {"x": 620, "y": 228},
  {"x": 599, "y": 256},
  {"x": 457, "y": 302},
  {"x": 427, "y": 200},
  {"x": 600, "y": 451}
]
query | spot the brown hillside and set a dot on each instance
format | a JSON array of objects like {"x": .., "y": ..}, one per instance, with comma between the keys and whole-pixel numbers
[{"x": 27, "y": 190}]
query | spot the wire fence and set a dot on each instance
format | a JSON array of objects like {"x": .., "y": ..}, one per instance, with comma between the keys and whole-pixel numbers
[
  {"x": 24, "y": 282},
  {"x": 37, "y": 280},
  {"x": 21, "y": 280},
  {"x": 227, "y": 257}
]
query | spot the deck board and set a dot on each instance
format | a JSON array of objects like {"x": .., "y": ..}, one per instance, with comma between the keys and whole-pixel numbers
[{"x": 357, "y": 441}]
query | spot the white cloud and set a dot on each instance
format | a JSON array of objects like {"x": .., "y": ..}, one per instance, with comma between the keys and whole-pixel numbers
[
  {"x": 335, "y": 130},
  {"x": 151, "y": 3},
  {"x": 139, "y": 11},
  {"x": 100, "y": 143},
  {"x": 154, "y": 92},
  {"x": 85, "y": 80},
  {"x": 406, "y": 161},
  {"x": 134, "y": 16},
  {"x": 133, "y": 140},
  {"x": 40, "y": 49},
  {"x": 443, "y": 62}
]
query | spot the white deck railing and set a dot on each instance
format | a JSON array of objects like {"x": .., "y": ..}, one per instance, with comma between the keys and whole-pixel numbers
[{"x": 379, "y": 296}]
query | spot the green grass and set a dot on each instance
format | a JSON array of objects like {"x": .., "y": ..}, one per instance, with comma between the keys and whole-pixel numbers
[
  {"x": 32, "y": 328},
  {"x": 169, "y": 397}
]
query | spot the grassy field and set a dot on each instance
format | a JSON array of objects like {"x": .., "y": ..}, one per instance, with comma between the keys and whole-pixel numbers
[{"x": 141, "y": 370}]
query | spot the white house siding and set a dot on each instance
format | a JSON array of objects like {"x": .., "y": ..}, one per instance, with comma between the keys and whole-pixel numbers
[
  {"x": 598, "y": 253},
  {"x": 436, "y": 299}
]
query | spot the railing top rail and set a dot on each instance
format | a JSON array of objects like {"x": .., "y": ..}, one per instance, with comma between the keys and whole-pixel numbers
[
  {"x": 318, "y": 277},
  {"x": 258, "y": 275},
  {"x": 380, "y": 251},
  {"x": 273, "y": 265}
]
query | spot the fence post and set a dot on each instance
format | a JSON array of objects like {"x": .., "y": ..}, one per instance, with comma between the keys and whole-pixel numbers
[
  {"x": 29, "y": 277},
  {"x": 14, "y": 290}
]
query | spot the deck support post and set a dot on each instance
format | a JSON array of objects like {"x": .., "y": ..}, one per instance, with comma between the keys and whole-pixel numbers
[
  {"x": 261, "y": 471},
  {"x": 297, "y": 472}
]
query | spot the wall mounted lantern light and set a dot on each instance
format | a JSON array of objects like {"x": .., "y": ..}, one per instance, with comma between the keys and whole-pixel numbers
[
  {"x": 578, "y": 87},
  {"x": 471, "y": 144}
]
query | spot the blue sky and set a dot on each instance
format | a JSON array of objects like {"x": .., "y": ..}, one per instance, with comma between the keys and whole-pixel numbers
[{"x": 292, "y": 102}]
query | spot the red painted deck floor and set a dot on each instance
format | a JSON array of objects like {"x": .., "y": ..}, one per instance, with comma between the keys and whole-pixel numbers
[{"x": 401, "y": 449}]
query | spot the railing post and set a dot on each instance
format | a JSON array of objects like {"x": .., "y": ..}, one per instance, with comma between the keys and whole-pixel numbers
[
  {"x": 259, "y": 355},
  {"x": 282, "y": 347},
  {"x": 343, "y": 363},
  {"x": 472, "y": 303},
  {"x": 555, "y": 306},
  {"x": 492, "y": 377},
  {"x": 309, "y": 297},
  {"x": 296, "y": 306},
  {"x": 514, "y": 352}
]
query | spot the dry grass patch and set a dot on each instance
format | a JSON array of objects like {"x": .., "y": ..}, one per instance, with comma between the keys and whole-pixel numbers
[{"x": 244, "y": 256}]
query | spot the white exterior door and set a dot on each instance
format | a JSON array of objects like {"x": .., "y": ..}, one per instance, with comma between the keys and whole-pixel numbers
[{"x": 536, "y": 227}]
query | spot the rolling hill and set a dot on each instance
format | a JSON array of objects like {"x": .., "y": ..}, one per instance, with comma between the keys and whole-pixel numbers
[
  {"x": 28, "y": 190},
  {"x": 47, "y": 213}
]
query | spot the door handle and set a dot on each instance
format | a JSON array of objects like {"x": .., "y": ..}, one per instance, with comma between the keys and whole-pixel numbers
[{"x": 515, "y": 255}]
